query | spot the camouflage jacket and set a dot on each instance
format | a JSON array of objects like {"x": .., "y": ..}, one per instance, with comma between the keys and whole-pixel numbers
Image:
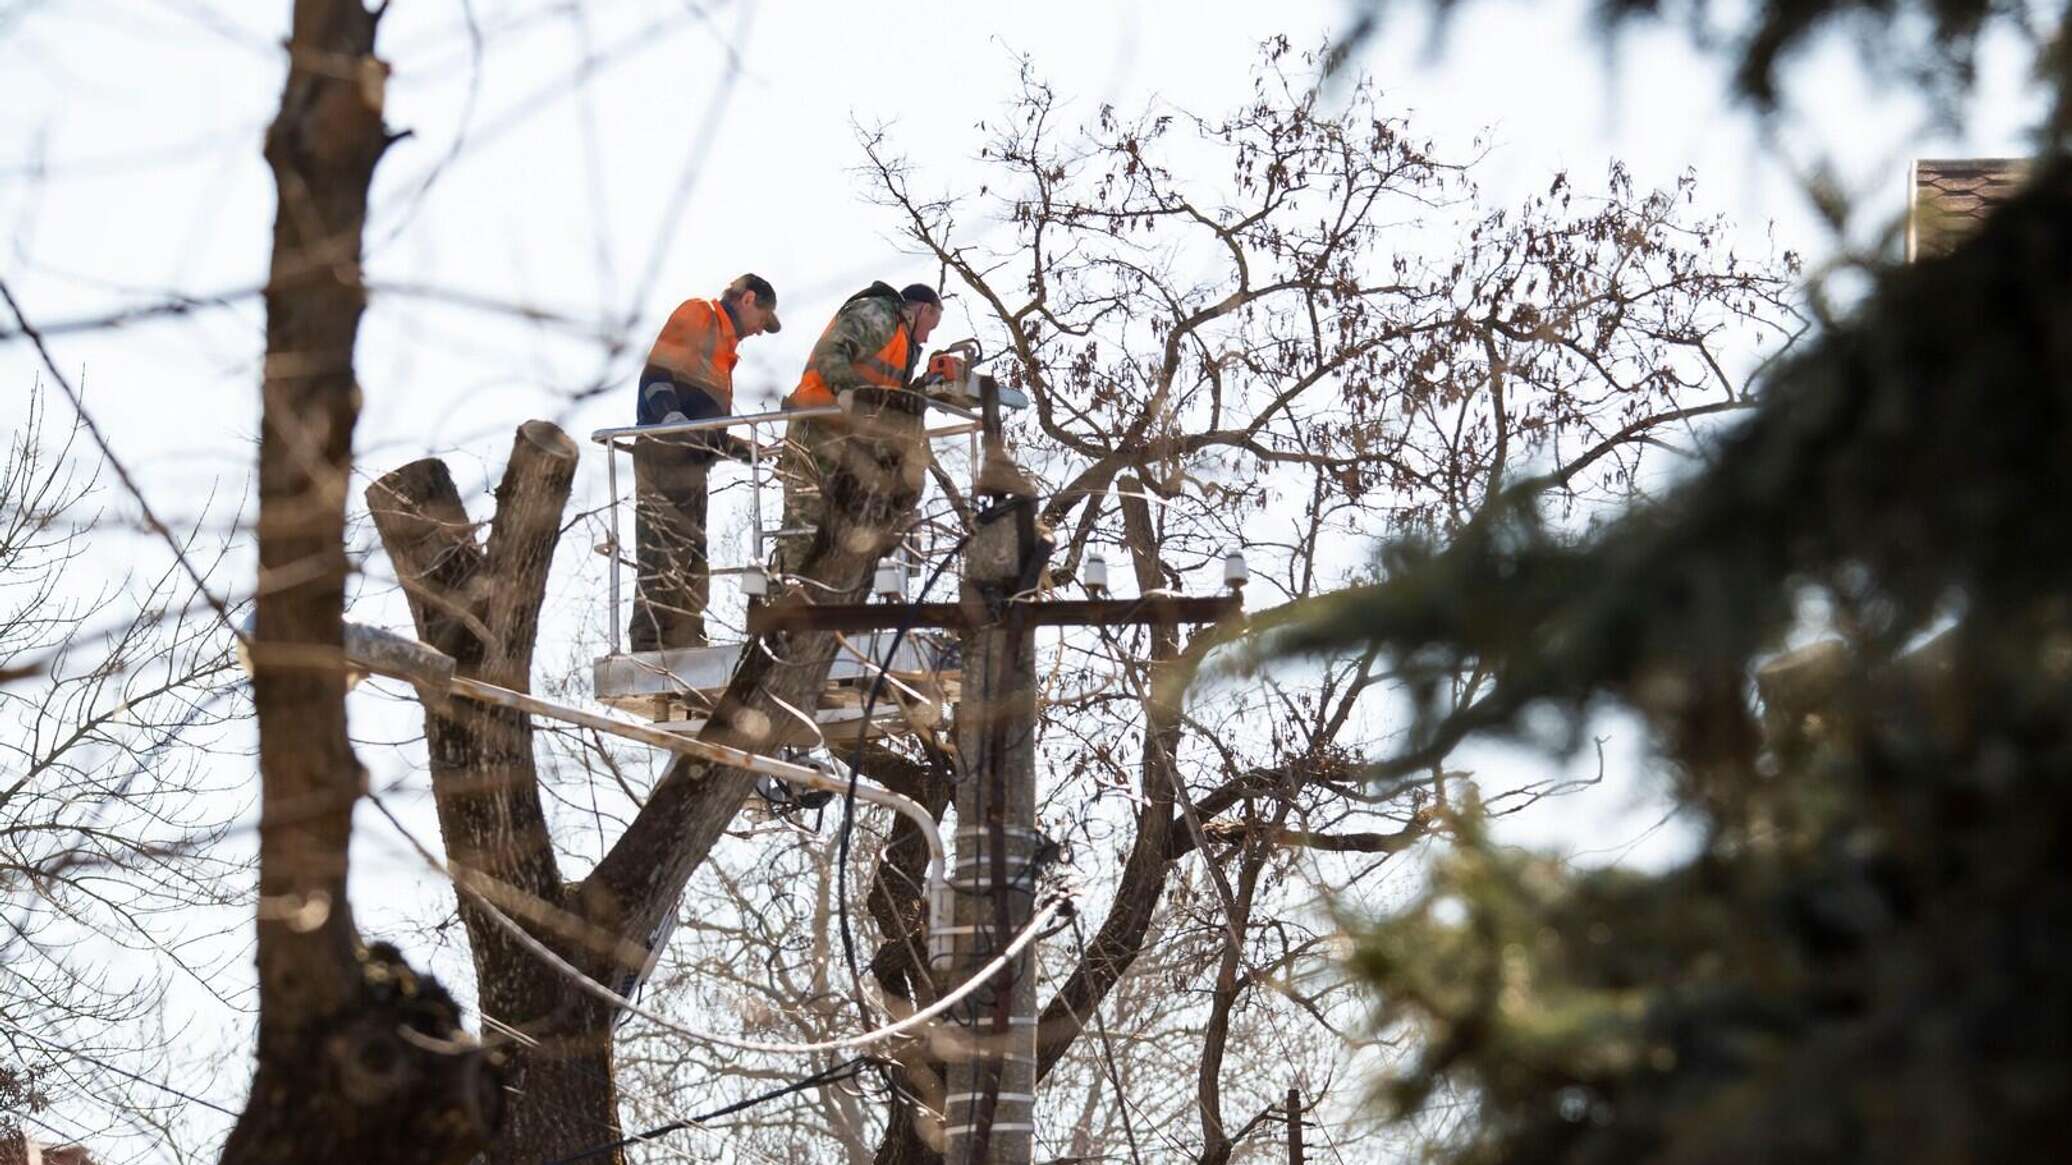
[{"x": 858, "y": 333}]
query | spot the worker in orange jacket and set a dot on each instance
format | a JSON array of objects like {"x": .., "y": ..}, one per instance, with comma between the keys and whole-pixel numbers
[
  {"x": 874, "y": 341},
  {"x": 689, "y": 377}
]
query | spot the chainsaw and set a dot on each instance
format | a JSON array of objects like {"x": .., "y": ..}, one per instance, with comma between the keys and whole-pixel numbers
[{"x": 951, "y": 376}]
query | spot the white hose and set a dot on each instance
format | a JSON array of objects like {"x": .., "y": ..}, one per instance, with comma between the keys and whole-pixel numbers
[
  {"x": 794, "y": 774},
  {"x": 432, "y": 672},
  {"x": 598, "y": 990}
]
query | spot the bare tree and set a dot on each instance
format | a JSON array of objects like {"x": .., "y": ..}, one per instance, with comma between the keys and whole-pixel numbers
[
  {"x": 358, "y": 1054},
  {"x": 1291, "y": 330},
  {"x": 111, "y": 867},
  {"x": 479, "y": 600},
  {"x": 359, "y": 1058}
]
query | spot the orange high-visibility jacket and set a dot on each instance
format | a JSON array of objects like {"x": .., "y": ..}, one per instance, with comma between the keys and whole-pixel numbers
[
  {"x": 697, "y": 346},
  {"x": 887, "y": 367}
]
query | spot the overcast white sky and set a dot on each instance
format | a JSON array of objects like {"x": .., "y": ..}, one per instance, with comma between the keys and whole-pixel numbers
[
  {"x": 142, "y": 121},
  {"x": 130, "y": 167}
]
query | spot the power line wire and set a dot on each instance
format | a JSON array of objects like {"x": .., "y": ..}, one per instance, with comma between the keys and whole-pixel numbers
[
  {"x": 848, "y": 1068},
  {"x": 845, "y": 1070},
  {"x": 122, "y": 472},
  {"x": 1122, "y": 1100},
  {"x": 848, "y": 821}
]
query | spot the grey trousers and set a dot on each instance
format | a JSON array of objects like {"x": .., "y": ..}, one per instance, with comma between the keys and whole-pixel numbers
[{"x": 675, "y": 580}]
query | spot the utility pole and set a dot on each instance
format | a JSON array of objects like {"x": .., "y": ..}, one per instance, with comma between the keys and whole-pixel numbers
[
  {"x": 992, "y": 1062},
  {"x": 1294, "y": 1126},
  {"x": 991, "y": 1059}
]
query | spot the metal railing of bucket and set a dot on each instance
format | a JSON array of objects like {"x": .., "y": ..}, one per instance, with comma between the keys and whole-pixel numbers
[{"x": 764, "y": 440}]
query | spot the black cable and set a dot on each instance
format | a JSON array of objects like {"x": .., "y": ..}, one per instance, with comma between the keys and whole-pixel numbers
[
  {"x": 841, "y": 1071},
  {"x": 982, "y": 518},
  {"x": 870, "y": 701}
]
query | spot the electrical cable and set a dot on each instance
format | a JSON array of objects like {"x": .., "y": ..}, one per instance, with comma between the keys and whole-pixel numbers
[
  {"x": 596, "y": 990},
  {"x": 848, "y": 823},
  {"x": 843, "y": 1071}
]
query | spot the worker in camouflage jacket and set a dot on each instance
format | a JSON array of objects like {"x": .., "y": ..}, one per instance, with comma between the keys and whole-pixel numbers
[
  {"x": 689, "y": 376},
  {"x": 874, "y": 341}
]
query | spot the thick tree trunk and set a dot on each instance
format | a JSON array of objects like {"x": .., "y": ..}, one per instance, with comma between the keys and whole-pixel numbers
[
  {"x": 898, "y": 904},
  {"x": 480, "y": 602},
  {"x": 1121, "y": 937},
  {"x": 358, "y": 1058},
  {"x": 904, "y": 1143},
  {"x": 897, "y": 899}
]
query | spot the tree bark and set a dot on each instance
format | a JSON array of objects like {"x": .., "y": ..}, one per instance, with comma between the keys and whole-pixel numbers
[
  {"x": 1217, "y": 1143},
  {"x": 897, "y": 898},
  {"x": 359, "y": 1059},
  {"x": 480, "y": 603},
  {"x": 1121, "y": 937}
]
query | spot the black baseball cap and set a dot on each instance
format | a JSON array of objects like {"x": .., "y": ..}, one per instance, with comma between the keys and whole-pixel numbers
[
  {"x": 765, "y": 297},
  {"x": 920, "y": 293}
]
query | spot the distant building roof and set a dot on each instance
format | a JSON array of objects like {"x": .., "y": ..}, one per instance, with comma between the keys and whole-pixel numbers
[
  {"x": 1950, "y": 197},
  {"x": 18, "y": 1148}
]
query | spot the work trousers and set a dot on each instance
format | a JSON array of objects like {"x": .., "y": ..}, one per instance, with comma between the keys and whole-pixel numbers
[
  {"x": 813, "y": 449},
  {"x": 675, "y": 580}
]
